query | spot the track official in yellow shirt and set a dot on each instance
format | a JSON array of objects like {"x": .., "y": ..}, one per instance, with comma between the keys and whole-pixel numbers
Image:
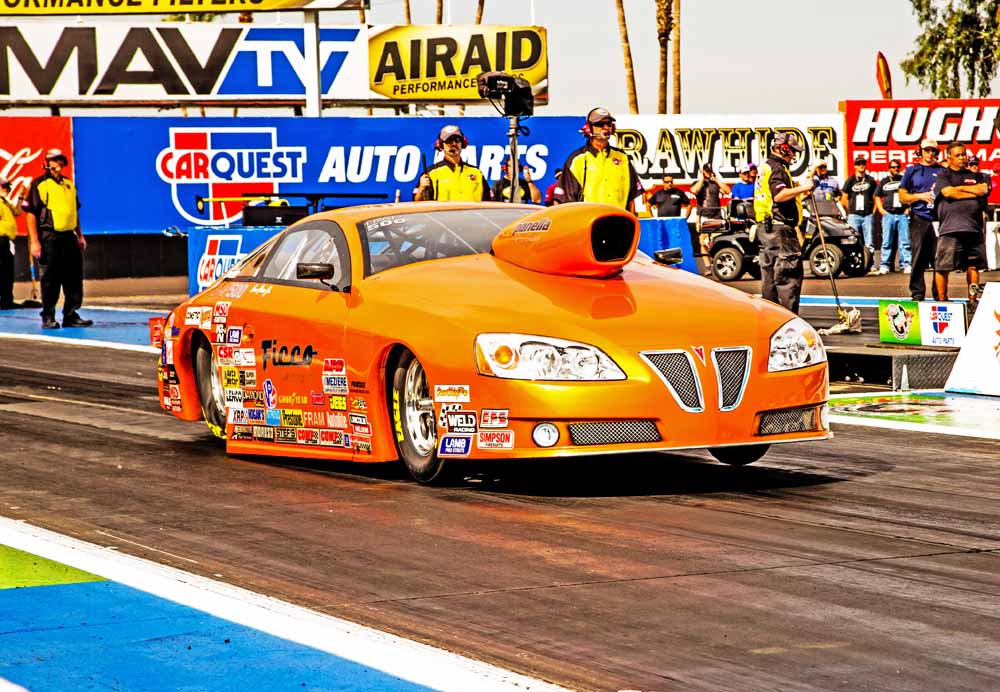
[
  {"x": 597, "y": 171},
  {"x": 451, "y": 179},
  {"x": 9, "y": 209},
  {"x": 57, "y": 242}
]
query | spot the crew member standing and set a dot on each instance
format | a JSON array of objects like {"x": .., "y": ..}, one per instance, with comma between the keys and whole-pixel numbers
[
  {"x": 916, "y": 189},
  {"x": 56, "y": 240},
  {"x": 9, "y": 208},
  {"x": 503, "y": 188},
  {"x": 451, "y": 179},
  {"x": 959, "y": 198},
  {"x": 597, "y": 171},
  {"x": 858, "y": 198},
  {"x": 778, "y": 210},
  {"x": 894, "y": 220}
]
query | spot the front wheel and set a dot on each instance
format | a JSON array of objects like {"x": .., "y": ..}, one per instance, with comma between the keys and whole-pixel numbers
[
  {"x": 740, "y": 455},
  {"x": 727, "y": 264},
  {"x": 206, "y": 375},
  {"x": 413, "y": 421},
  {"x": 823, "y": 264}
]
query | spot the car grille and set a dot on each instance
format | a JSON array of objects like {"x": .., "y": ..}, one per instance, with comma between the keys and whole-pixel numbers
[
  {"x": 614, "y": 432},
  {"x": 732, "y": 368},
  {"x": 789, "y": 421},
  {"x": 676, "y": 369}
]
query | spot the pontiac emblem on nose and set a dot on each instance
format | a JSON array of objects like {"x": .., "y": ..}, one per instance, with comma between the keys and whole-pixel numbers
[{"x": 700, "y": 352}]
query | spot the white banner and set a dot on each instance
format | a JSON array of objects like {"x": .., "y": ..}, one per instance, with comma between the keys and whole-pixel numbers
[
  {"x": 680, "y": 144},
  {"x": 977, "y": 368}
]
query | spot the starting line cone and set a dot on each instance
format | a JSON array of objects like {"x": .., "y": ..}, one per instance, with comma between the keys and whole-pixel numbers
[{"x": 904, "y": 380}]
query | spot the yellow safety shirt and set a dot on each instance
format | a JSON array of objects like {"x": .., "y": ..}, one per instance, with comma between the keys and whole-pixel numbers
[
  {"x": 58, "y": 198},
  {"x": 605, "y": 176},
  {"x": 8, "y": 226},
  {"x": 772, "y": 178},
  {"x": 461, "y": 183}
]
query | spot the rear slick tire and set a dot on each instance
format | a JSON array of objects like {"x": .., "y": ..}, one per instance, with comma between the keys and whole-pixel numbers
[
  {"x": 414, "y": 424},
  {"x": 206, "y": 376},
  {"x": 740, "y": 455}
]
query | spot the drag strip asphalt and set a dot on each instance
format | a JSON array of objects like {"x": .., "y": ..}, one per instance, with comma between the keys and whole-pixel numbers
[{"x": 871, "y": 561}]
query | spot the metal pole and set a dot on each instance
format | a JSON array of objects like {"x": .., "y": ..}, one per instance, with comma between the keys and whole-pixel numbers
[
  {"x": 314, "y": 95},
  {"x": 515, "y": 169}
]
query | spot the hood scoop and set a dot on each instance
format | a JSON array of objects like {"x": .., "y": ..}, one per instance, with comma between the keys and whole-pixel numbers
[{"x": 579, "y": 239}]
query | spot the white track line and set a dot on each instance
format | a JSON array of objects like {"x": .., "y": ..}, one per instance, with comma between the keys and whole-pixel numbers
[
  {"x": 80, "y": 342},
  {"x": 915, "y": 427},
  {"x": 418, "y": 663}
]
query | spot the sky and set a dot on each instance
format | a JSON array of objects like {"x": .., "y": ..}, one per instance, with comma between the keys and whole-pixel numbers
[{"x": 769, "y": 56}]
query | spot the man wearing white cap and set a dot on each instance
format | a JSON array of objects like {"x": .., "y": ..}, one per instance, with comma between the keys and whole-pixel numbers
[
  {"x": 451, "y": 179},
  {"x": 744, "y": 188},
  {"x": 827, "y": 188},
  {"x": 916, "y": 189}
]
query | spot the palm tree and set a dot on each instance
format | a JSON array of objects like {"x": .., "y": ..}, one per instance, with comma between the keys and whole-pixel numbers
[
  {"x": 479, "y": 11},
  {"x": 633, "y": 103},
  {"x": 677, "y": 56},
  {"x": 664, "y": 27},
  {"x": 439, "y": 12},
  {"x": 406, "y": 12}
]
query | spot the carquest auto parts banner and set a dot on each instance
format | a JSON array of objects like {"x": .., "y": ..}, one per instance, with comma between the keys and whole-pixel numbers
[
  {"x": 681, "y": 144},
  {"x": 892, "y": 130},
  {"x": 141, "y": 175},
  {"x": 166, "y": 63}
]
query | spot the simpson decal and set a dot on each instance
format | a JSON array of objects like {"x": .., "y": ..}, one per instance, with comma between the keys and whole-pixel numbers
[{"x": 495, "y": 439}]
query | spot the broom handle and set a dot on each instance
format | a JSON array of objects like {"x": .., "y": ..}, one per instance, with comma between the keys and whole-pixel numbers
[{"x": 822, "y": 242}]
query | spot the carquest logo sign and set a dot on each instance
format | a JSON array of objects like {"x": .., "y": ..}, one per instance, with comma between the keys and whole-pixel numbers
[
  {"x": 225, "y": 162},
  {"x": 222, "y": 252}
]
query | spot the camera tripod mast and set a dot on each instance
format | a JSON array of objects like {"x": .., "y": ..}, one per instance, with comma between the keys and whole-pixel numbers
[{"x": 515, "y": 162}]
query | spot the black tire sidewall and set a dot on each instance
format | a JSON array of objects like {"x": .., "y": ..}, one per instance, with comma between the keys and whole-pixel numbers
[
  {"x": 835, "y": 255},
  {"x": 740, "y": 262},
  {"x": 203, "y": 379},
  {"x": 423, "y": 468}
]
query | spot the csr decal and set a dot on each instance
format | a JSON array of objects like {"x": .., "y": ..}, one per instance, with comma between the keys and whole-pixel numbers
[
  {"x": 277, "y": 355},
  {"x": 170, "y": 62},
  {"x": 442, "y": 62},
  {"x": 680, "y": 145},
  {"x": 225, "y": 162}
]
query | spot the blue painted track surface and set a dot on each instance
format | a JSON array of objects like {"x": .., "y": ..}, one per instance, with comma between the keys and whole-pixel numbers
[
  {"x": 129, "y": 327},
  {"x": 106, "y": 636}
]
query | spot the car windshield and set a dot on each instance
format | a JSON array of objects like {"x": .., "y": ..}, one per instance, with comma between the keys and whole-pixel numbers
[{"x": 397, "y": 239}]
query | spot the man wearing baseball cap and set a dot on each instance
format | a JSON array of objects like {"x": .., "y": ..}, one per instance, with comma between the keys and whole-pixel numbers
[
  {"x": 858, "y": 198},
  {"x": 56, "y": 241},
  {"x": 744, "y": 188},
  {"x": 451, "y": 179},
  {"x": 778, "y": 210},
  {"x": 597, "y": 171},
  {"x": 916, "y": 189}
]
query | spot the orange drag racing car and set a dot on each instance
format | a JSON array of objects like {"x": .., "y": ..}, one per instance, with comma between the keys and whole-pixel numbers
[{"x": 435, "y": 331}]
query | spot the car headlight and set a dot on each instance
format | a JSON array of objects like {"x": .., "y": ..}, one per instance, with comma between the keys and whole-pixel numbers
[
  {"x": 795, "y": 345},
  {"x": 529, "y": 357}
]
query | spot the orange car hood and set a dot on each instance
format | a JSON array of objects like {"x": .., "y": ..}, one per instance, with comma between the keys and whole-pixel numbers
[{"x": 647, "y": 306}]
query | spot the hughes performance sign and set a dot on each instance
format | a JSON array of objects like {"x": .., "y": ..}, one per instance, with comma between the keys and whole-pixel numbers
[
  {"x": 166, "y": 63},
  {"x": 681, "y": 144},
  {"x": 883, "y": 131}
]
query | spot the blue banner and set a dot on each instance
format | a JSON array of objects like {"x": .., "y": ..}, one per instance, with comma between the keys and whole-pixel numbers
[{"x": 142, "y": 175}]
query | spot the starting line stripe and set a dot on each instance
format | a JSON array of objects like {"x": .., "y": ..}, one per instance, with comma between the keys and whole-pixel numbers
[
  {"x": 408, "y": 660},
  {"x": 914, "y": 427},
  {"x": 70, "y": 341}
]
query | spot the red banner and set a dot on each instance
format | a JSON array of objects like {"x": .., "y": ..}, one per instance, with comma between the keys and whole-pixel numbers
[
  {"x": 882, "y": 131},
  {"x": 23, "y": 143}
]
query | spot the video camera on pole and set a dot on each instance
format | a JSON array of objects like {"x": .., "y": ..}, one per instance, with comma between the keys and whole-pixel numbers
[{"x": 512, "y": 98}]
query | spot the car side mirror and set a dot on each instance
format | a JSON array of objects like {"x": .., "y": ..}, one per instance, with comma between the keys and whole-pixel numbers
[
  {"x": 670, "y": 256},
  {"x": 318, "y": 270}
]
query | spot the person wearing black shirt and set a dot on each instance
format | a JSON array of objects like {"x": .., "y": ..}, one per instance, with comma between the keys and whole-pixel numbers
[
  {"x": 669, "y": 200},
  {"x": 708, "y": 190},
  {"x": 858, "y": 198},
  {"x": 503, "y": 187},
  {"x": 894, "y": 220},
  {"x": 958, "y": 198}
]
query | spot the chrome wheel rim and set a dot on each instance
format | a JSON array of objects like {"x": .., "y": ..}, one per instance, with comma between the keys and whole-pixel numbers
[
  {"x": 418, "y": 408},
  {"x": 725, "y": 264},
  {"x": 217, "y": 394},
  {"x": 821, "y": 263}
]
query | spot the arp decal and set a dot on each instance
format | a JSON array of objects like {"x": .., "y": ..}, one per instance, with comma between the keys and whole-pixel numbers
[
  {"x": 279, "y": 356},
  {"x": 495, "y": 439},
  {"x": 334, "y": 366},
  {"x": 451, "y": 393}
]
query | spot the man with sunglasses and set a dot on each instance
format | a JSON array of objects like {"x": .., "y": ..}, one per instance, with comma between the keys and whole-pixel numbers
[
  {"x": 960, "y": 198},
  {"x": 895, "y": 222},
  {"x": 451, "y": 179},
  {"x": 916, "y": 189}
]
